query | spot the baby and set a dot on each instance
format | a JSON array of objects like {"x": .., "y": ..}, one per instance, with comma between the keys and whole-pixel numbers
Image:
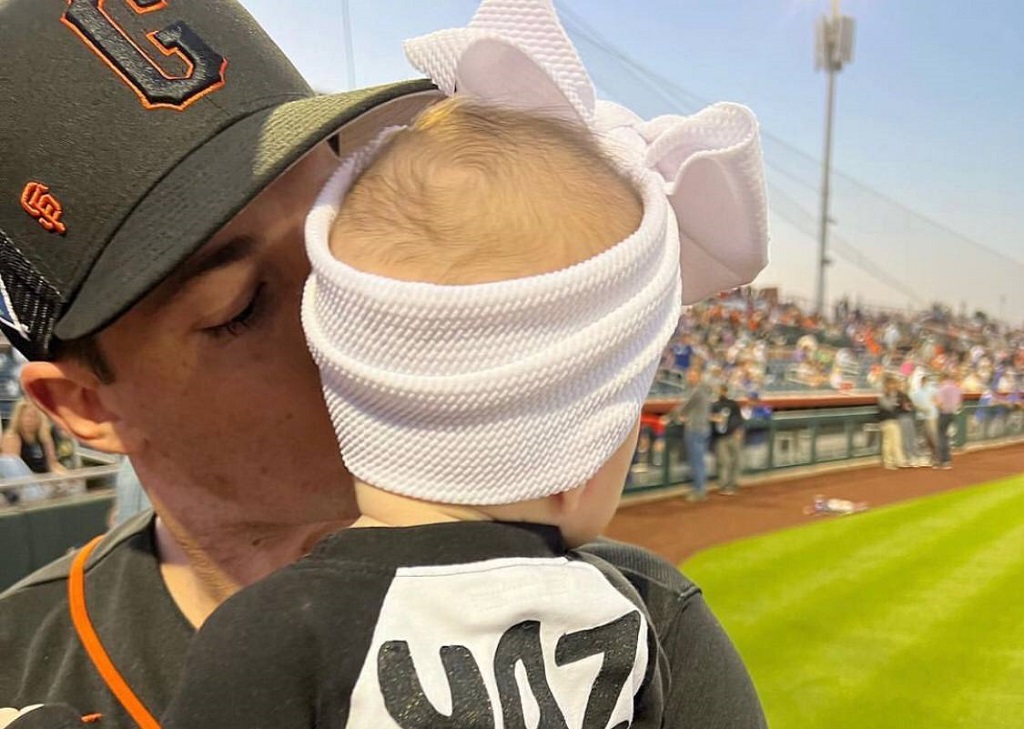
[
  {"x": 471, "y": 196},
  {"x": 487, "y": 311}
]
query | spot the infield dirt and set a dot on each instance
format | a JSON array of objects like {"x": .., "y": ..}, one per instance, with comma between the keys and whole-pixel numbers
[{"x": 677, "y": 529}]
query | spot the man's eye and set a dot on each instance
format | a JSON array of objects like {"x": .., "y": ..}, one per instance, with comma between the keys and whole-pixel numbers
[{"x": 243, "y": 320}]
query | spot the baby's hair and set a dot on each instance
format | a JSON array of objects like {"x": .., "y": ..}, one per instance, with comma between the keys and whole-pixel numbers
[{"x": 470, "y": 193}]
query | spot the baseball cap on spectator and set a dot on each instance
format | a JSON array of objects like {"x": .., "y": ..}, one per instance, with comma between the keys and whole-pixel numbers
[{"x": 132, "y": 131}]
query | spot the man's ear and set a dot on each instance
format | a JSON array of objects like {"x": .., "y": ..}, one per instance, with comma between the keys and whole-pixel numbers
[{"x": 69, "y": 393}]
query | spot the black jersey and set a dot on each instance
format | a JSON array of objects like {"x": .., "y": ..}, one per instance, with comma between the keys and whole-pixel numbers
[
  {"x": 472, "y": 625},
  {"x": 42, "y": 660}
]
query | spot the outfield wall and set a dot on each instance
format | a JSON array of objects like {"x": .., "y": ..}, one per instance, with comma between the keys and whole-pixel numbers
[{"x": 805, "y": 439}]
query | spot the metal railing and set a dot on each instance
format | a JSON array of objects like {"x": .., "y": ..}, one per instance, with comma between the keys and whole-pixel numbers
[
  {"x": 100, "y": 472},
  {"x": 84, "y": 474}
]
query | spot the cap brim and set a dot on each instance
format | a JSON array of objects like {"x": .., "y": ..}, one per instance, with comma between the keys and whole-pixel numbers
[{"x": 213, "y": 184}]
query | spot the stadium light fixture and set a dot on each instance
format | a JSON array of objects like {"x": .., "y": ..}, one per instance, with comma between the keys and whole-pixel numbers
[{"x": 833, "y": 44}]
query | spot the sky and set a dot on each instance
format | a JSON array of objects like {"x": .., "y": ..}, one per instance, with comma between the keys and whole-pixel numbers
[{"x": 928, "y": 149}]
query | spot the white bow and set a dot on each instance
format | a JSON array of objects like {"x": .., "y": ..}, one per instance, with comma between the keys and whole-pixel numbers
[{"x": 516, "y": 53}]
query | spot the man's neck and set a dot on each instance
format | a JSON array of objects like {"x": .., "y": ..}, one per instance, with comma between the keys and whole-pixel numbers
[
  {"x": 201, "y": 575},
  {"x": 195, "y": 597}
]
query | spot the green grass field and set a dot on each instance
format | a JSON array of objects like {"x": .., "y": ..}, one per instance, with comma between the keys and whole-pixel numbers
[{"x": 907, "y": 616}]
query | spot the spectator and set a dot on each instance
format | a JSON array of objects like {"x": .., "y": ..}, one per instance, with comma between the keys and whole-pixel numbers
[
  {"x": 908, "y": 424},
  {"x": 695, "y": 412},
  {"x": 974, "y": 382},
  {"x": 876, "y": 375},
  {"x": 888, "y": 418},
  {"x": 891, "y": 337},
  {"x": 682, "y": 353},
  {"x": 727, "y": 419},
  {"x": 928, "y": 414},
  {"x": 948, "y": 400},
  {"x": 27, "y": 448},
  {"x": 29, "y": 437},
  {"x": 756, "y": 409}
]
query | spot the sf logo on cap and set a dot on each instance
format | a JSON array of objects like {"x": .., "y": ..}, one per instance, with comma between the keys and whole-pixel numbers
[
  {"x": 157, "y": 89},
  {"x": 44, "y": 207}
]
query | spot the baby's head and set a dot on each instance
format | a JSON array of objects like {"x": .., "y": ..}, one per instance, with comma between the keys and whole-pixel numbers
[
  {"x": 471, "y": 194},
  {"x": 469, "y": 197}
]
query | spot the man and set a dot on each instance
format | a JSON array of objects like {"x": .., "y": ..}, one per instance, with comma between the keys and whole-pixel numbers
[
  {"x": 948, "y": 399},
  {"x": 756, "y": 409},
  {"x": 694, "y": 413},
  {"x": 888, "y": 418},
  {"x": 923, "y": 399},
  {"x": 908, "y": 423},
  {"x": 159, "y": 162},
  {"x": 682, "y": 352},
  {"x": 727, "y": 418}
]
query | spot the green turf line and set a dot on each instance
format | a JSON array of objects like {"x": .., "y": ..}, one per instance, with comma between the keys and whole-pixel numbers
[{"x": 901, "y": 617}]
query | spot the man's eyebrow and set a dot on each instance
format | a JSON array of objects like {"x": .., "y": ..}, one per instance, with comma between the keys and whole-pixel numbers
[{"x": 235, "y": 249}]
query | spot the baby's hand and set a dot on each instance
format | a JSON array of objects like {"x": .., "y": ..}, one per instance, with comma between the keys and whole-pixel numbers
[{"x": 41, "y": 716}]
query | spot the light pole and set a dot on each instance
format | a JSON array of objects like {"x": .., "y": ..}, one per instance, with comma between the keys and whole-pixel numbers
[
  {"x": 350, "y": 55},
  {"x": 833, "y": 48}
]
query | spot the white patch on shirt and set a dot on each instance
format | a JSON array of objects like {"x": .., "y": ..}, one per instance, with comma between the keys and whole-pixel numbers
[
  {"x": 8, "y": 715},
  {"x": 474, "y": 605}
]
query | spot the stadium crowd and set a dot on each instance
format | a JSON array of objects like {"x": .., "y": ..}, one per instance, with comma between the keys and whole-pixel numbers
[
  {"x": 753, "y": 342},
  {"x": 919, "y": 365}
]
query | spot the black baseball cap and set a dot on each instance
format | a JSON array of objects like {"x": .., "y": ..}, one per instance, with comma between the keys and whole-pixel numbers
[{"x": 130, "y": 132}]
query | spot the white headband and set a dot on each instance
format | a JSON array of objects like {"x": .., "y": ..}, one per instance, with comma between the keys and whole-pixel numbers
[{"x": 502, "y": 392}]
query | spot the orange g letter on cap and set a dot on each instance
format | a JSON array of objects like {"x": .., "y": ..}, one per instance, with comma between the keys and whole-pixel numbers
[{"x": 44, "y": 207}]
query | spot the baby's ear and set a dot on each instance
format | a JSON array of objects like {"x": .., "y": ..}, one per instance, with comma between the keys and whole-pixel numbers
[{"x": 568, "y": 502}]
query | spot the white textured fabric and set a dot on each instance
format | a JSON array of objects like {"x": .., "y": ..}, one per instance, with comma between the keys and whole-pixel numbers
[
  {"x": 501, "y": 392},
  {"x": 489, "y": 393}
]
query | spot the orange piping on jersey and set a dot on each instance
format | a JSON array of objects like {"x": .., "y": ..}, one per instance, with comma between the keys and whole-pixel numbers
[{"x": 94, "y": 648}]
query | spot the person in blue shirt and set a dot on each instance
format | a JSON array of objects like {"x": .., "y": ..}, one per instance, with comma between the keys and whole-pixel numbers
[{"x": 682, "y": 353}]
